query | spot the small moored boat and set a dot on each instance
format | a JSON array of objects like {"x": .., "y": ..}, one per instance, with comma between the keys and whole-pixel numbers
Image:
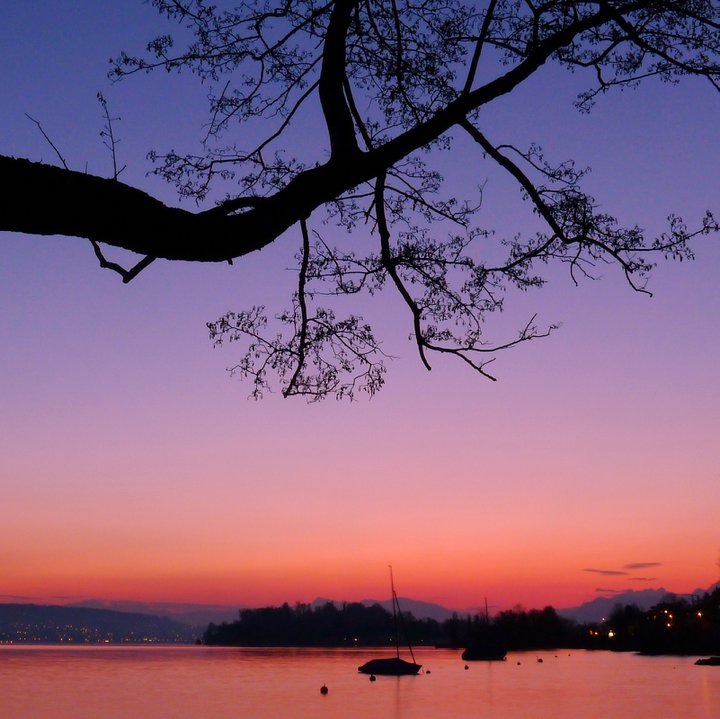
[
  {"x": 389, "y": 666},
  {"x": 393, "y": 666},
  {"x": 486, "y": 649},
  {"x": 709, "y": 662},
  {"x": 488, "y": 652}
]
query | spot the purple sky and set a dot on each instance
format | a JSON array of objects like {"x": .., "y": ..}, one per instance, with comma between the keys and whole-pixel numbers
[{"x": 133, "y": 467}]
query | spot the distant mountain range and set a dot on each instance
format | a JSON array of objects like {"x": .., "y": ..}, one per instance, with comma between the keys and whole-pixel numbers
[
  {"x": 193, "y": 615},
  {"x": 102, "y": 620},
  {"x": 588, "y": 612},
  {"x": 597, "y": 609},
  {"x": 200, "y": 615},
  {"x": 601, "y": 607},
  {"x": 416, "y": 607}
]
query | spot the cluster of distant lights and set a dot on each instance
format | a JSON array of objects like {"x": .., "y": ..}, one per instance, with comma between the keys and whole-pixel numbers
[
  {"x": 596, "y": 633},
  {"x": 90, "y": 636},
  {"x": 668, "y": 615}
]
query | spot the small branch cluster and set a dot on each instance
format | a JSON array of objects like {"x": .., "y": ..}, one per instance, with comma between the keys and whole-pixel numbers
[
  {"x": 108, "y": 135},
  {"x": 314, "y": 355}
]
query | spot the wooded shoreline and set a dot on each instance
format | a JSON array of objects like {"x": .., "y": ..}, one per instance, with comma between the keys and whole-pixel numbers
[{"x": 675, "y": 626}]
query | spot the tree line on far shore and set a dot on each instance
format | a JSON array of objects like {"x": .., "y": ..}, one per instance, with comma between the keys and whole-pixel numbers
[{"x": 675, "y": 626}]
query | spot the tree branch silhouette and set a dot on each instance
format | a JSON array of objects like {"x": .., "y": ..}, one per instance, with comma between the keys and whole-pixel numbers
[{"x": 391, "y": 84}]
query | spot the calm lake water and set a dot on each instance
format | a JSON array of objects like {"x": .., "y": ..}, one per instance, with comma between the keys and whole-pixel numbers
[{"x": 214, "y": 683}]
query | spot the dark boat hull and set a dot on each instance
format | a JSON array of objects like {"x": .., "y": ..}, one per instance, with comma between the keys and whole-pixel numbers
[
  {"x": 709, "y": 662},
  {"x": 393, "y": 666},
  {"x": 484, "y": 653}
]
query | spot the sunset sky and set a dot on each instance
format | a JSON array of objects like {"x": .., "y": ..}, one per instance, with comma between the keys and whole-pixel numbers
[{"x": 133, "y": 467}]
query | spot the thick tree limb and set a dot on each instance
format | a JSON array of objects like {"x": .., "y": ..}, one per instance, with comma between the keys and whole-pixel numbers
[
  {"x": 389, "y": 263},
  {"x": 111, "y": 212},
  {"x": 480, "y": 43},
  {"x": 343, "y": 142}
]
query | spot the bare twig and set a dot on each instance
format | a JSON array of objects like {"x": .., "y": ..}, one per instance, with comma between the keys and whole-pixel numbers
[
  {"x": 49, "y": 141},
  {"x": 127, "y": 275},
  {"x": 108, "y": 135},
  {"x": 302, "y": 301}
]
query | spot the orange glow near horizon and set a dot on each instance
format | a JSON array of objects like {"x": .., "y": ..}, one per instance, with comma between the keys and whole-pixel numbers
[
  {"x": 132, "y": 467},
  {"x": 457, "y": 579},
  {"x": 296, "y": 536}
]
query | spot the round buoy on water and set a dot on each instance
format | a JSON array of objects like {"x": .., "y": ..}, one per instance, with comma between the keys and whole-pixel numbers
[
  {"x": 373, "y": 678},
  {"x": 466, "y": 667},
  {"x": 323, "y": 689}
]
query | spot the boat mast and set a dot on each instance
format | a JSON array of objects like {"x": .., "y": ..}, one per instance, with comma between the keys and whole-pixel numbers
[
  {"x": 397, "y": 617},
  {"x": 395, "y": 612}
]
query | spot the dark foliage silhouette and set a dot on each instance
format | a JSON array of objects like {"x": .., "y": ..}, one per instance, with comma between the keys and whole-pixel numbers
[
  {"x": 675, "y": 626},
  {"x": 351, "y": 624}
]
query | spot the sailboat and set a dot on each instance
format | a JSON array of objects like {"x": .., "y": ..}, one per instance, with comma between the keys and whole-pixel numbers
[
  {"x": 488, "y": 649},
  {"x": 393, "y": 666}
]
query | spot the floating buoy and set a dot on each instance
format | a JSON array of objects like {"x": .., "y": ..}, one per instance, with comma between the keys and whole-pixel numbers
[
  {"x": 427, "y": 671},
  {"x": 466, "y": 667},
  {"x": 540, "y": 661},
  {"x": 323, "y": 689},
  {"x": 373, "y": 678}
]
